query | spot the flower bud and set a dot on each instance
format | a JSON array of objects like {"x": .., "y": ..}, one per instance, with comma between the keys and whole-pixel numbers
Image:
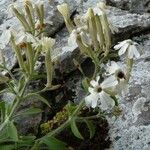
[{"x": 64, "y": 10}]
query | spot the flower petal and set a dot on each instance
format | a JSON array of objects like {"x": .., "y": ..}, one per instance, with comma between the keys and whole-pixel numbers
[
  {"x": 118, "y": 46},
  {"x": 94, "y": 83},
  {"x": 97, "y": 78},
  {"x": 130, "y": 52},
  {"x": 91, "y": 100},
  {"x": 91, "y": 90},
  {"x": 123, "y": 49},
  {"x": 112, "y": 67},
  {"x": 135, "y": 51},
  {"x": 94, "y": 100},
  {"x": 106, "y": 101},
  {"x": 109, "y": 82}
]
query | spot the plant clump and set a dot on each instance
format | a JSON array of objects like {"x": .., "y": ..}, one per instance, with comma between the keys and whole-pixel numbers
[{"x": 91, "y": 33}]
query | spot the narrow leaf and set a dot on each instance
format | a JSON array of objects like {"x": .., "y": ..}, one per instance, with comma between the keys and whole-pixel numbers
[
  {"x": 29, "y": 111},
  {"x": 7, "y": 147},
  {"x": 39, "y": 97},
  {"x": 54, "y": 144},
  {"x": 12, "y": 131},
  {"x": 91, "y": 127},
  {"x": 75, "y": 130},
  {"x": 85, "y": 84}
]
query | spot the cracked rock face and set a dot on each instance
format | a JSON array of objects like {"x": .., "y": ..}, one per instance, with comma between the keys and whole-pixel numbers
[
  {"x": 126, "y": 22},
  {"x": 131, "y": 131},
  {"x": 51, "y": 14},
  {"x": 135, "y": 6}
]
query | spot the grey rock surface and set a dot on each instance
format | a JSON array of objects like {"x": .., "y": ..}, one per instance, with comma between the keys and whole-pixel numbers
[
  {"x": 131, "y": 131},
  {"x": 135, "y": 6},
  {"x": 51, "y": 15},
  {"x": 126, "y": 22}
]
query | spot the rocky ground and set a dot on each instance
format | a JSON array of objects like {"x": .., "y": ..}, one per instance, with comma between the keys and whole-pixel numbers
[{"x": 131, "y": 131}]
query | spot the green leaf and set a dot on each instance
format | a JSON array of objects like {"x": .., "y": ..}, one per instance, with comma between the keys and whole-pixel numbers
[
  {"x": 26, "y": 141},
  {"x": 3, "y": 91},
  {"x": 7, "y": 147},
  {"x": 1, "y": 66},
  {"x": 29, "y": 111},
  {"x": 2, "y": 110},
  {"x": 71, "y": 107},
  {"x": 21, "y": 83},
  {"x": 85, "y": 84},
  {"x": 12, "y": 131},
  {"x": 91, "y": 127},
  {"x": 75, "y": 130},
  {"x": 4, "y": 135},
  {"x": 3, "y": 79},
  {"x": 38, "y": 97},
  {"x": 54, "y": 144}
]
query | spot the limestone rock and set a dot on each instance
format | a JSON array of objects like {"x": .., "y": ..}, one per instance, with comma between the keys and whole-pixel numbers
[
  {"x": 51, "y": 14},
  {"x": 135, "y": 6},
  {"x": 131, "y": 130},
  {"x": 128, "y": 24}
]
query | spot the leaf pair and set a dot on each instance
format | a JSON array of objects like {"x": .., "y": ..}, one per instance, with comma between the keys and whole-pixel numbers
[{"x": 76, "y": 131}]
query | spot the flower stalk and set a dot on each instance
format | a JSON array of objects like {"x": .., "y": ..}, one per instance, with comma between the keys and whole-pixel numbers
[
  {"x": 22, "y": 19},
  {"x": 18, "y": 53},
  {"x": 30, "y": 17},
  {"x": 49, "y": 68}
]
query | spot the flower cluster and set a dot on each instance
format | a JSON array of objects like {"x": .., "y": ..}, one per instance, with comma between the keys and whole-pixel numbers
[
  {"x": 129, "y": 47},
  {"x": 91, "y": 32},
  {"x": 101, "y": 94}
]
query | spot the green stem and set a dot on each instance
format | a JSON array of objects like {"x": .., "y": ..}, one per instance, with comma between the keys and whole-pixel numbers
[
  {"x": 30, "y": 18},
  {"x": 14, "y": 106},
  {"x": 49, "y": 68},
  {"x": 37, "y": 54},
  {"x": 90, "y": 117},
  {"x": 11, "y": 75},
  {"x": 22, "y": 19},
  {"x": 18, "y": 53},
  {"x": 30, "y": 58},
  {"x": 69, "y": 25},
  {"x": 95, "y": 71}
]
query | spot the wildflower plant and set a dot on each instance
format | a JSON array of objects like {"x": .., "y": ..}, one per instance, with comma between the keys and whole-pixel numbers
[{"x": 91, "y": 32}]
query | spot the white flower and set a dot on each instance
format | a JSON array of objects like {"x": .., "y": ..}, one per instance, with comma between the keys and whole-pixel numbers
[
  {"x": 119, "y": 72},
  {"x": 98, "y": 93},
  {"x": 86, "y": 40},
  {"x": 47, "y": 43},
  {"x": 129, "y": 47}
]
